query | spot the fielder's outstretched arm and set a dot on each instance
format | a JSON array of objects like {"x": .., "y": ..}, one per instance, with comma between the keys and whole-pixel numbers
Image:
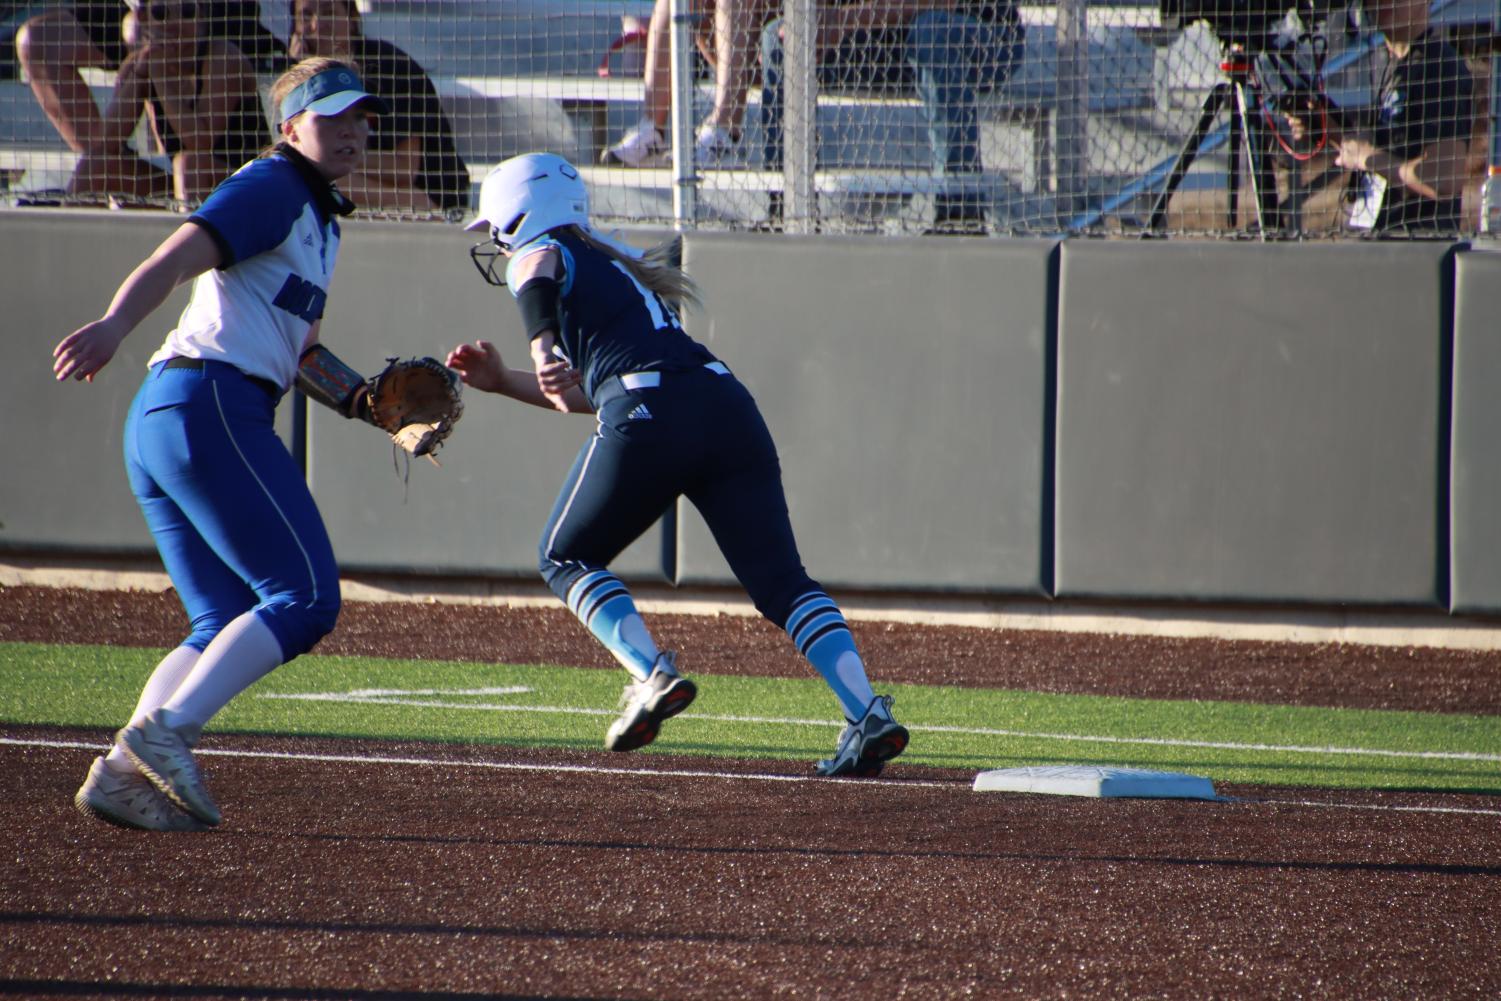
[{"x": 181, "y": 257}]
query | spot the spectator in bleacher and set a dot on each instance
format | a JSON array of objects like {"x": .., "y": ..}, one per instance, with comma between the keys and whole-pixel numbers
[
  {"x": 1418, "y": 147},
  {"x": 54, "y": 46},
  {"x": 413, "y": 164},
  {"x": 729, "y": 45},
  {"x": 947, "y": 50},
  {"x": 199, "y": 95},
  {"x": 1411, "y": 164}
]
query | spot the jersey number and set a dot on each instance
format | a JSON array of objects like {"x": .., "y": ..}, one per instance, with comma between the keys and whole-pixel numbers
[{"x": 661, "y": 316}]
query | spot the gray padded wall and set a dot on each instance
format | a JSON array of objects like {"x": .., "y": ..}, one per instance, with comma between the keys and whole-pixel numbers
[
  {"x": 65, "y": 486},
  {"x": 1272, "y": 435},
  {"x": 406, "y": 289},
  {"x": 905, "y": 384},
  {"x": 1475, "y": 542},
  {"x": 1251, "y": 422}
]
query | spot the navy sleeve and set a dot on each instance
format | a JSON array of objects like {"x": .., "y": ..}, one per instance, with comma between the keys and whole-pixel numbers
[
  {"x": 253, "y": 210},
  {"x": 392, "y": 74},
  {"x": 1434, "y": 102}
]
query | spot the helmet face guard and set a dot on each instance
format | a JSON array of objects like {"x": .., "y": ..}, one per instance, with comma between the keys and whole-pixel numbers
[{"x": 486, "y": 255}]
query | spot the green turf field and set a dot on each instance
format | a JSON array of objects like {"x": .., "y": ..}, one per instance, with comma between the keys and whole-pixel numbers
[{"x": 964, "y": 728}]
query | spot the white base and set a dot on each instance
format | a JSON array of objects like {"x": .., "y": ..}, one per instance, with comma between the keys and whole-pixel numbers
[{"x": 1094, "y": 780}]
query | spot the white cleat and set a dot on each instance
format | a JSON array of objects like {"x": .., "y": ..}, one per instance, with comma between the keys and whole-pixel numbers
[
  {"x": 130, "y": 800},
  {"x": 165, "y": 756},
  {"x": 647, "y": 703},
  {"x": 865, "y": 746}
]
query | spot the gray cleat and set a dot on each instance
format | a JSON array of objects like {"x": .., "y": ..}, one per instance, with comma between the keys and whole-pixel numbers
[
  {"x": 130, "y": 800},
  {"x": 647, "y": 703},
  {"x": 165, "y": 756},
  {"x": 866, "y": 746}
]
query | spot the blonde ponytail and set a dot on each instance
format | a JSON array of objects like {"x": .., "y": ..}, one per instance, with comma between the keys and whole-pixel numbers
[{"x": 657, "y": 270}]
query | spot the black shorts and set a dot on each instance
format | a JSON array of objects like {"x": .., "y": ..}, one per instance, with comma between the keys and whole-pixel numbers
[{"x": 101, "y": 20}]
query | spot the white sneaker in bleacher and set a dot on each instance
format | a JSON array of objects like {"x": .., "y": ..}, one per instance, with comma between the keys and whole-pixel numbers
[
  {"x": 714, "y": 146},
  {"x": 128, "y": 799},
  {"x": 642, "y": 146}
]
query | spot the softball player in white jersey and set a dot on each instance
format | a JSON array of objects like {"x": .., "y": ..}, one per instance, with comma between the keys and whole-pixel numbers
[{"x": 233, "y": 519}]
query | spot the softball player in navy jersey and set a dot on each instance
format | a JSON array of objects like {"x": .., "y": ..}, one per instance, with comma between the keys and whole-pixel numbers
[
  {"x": 602, "y": 319},
  {"x": 233, "y": 519}
]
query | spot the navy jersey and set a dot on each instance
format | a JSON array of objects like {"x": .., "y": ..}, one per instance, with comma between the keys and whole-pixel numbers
[
  {"x": 1425, "y": 97},
  {"x": 611, "y": 323}
]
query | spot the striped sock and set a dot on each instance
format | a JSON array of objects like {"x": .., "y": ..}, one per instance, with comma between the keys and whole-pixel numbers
[
  {"x": 603, "y": 604},
  {"x": 821, "y": 635}
]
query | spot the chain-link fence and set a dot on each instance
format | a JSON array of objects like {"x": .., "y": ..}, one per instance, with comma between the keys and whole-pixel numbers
[{"x": 1222, "y": 117}]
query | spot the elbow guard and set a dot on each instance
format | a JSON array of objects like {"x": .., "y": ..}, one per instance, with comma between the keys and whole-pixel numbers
[
  {"x": 538, "y": 300},
  {"x": 325, "y": 379}
]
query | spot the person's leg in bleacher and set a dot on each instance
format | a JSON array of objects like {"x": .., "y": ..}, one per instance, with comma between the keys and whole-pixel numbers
[
  {"x": 53, "y": 48},
  {"x": 737, "y": 23},
  {"x": 952, "y": 57},
  {"x": 726, "y": 40},
  {"x": 645, "y": 144},
  {"x": 848, "y": 57}
]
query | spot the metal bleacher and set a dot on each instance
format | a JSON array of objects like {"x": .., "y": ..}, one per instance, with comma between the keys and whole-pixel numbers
[
  {"x": 872, "y": 146},
  {"x": 523, "y": 75}
]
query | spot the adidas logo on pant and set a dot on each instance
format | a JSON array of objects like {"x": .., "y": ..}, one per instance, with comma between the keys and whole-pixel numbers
[{"x": 639, "y": 414}]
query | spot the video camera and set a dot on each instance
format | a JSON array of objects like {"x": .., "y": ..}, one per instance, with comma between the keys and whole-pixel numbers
[
  {"x": 1285, "y": 66},
  {"x": 1251, "y": 25}
]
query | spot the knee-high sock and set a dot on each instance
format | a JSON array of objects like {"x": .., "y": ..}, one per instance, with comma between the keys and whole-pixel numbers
[
  {"x": 819, "y": 631},
  {"x": 604, "y": 604},
  {"x": 164, "y": 680},
  {"x": 245, "y": 651}
]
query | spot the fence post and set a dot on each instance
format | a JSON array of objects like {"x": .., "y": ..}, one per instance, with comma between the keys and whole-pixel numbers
[
  {"x": 1071, "y": 116},
  {"x": 800, "y": 117},
  {"x": 1490, "y": 193},
  {"x": 684, "y": 87}
]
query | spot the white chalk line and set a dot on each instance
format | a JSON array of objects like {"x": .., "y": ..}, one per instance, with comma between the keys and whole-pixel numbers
[
  {"x": 1367, "y": 806},
  {"x": 512, "y": 766},
  {"x": 395, "y": 697},
  {"x": 670, "y": 773}
]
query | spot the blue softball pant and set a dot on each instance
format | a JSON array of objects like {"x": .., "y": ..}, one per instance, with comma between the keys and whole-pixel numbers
[
  {"x": 233, "y": 519},
  {"x": 704, "y": 439}
]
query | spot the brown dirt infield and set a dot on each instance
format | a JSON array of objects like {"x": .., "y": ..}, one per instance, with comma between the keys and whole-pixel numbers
[{"x": 440, "y": 872}]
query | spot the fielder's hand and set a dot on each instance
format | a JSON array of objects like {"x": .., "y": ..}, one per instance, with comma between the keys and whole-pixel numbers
[{"x": 88, "y": 349}]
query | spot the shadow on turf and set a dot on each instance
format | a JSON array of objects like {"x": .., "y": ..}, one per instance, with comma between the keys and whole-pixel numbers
[
  {"x": 771, "y": 853},
  {"x": 118, "y": 989}
]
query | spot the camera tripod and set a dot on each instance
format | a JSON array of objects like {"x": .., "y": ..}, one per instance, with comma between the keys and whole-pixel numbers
[{"x": 1247, "y": 129}]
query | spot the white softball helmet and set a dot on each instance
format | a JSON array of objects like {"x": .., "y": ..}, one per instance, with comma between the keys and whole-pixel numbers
[{"x": 527, "y": 195}]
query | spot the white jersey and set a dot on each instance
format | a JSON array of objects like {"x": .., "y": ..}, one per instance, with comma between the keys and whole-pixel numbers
[{"x": 275, "y": 221}]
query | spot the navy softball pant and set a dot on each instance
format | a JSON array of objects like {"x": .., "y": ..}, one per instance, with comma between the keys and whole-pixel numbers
[
  {"x": 233, "y": 519},
  {"x": 698, "y": 435}
]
